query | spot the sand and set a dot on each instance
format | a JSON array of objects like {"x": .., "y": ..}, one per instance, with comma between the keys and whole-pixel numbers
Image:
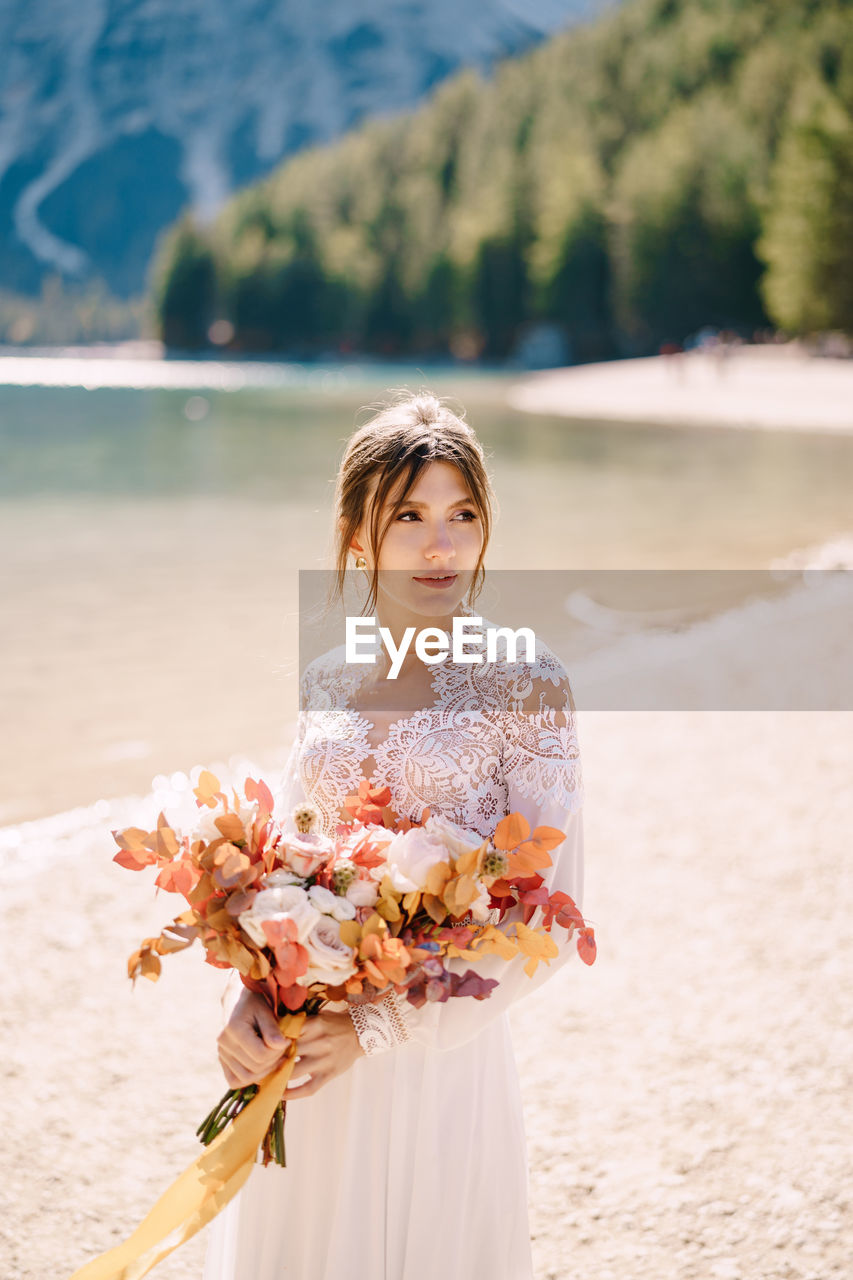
[{"x": 747, "y": 386}]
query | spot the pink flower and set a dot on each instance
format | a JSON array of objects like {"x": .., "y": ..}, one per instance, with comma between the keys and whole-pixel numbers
[{"x": 305, "y": 854}]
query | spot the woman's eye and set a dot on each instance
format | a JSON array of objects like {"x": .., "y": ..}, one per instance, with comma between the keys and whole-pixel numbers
[{"x": 468, "y": 515}]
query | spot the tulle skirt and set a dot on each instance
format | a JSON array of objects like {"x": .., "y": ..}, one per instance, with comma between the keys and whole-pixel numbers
[{"x": 410, "y": 1166}]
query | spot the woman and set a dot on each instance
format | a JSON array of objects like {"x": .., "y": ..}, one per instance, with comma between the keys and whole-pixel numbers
[{"x": 405, "y": 1142}]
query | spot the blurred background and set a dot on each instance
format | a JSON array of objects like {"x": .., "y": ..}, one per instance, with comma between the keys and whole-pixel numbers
[{"x": 620, "y": 235}]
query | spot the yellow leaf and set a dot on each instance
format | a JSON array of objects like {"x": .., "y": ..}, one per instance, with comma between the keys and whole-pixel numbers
[
  {"x": 260, "y": 968},
  {"x": 230, "y": 826},
  {"x": 469, "y": 863},
  {"x": 535, "y": 943},
  {"x": 547, "y": 837},
  {"x": 131, "y": 838},
  {"x": 350, "y": 933},
  {"x": 494, "y": 941},
  {"x": 459, "y": 895},
  {"x": 207, "y": 788},
  {"x": 374, "y": 924},
  {"x": 434, "y": 908},
  {"x": 149, "y": 965},
  {"x": 411, "y": 900},
  {"x": 437, "y": 877}
]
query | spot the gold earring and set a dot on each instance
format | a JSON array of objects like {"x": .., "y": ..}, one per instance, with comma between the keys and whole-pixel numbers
[{"x": 361, "y": 563}]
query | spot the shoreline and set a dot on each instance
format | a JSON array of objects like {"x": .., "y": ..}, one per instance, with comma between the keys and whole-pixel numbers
[
  {"x": 741, "y": 659},
  {"x": 755, "y": 387}
]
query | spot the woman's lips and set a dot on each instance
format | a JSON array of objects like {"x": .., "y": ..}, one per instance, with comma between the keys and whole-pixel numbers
[{"x": 437, "y": 583}]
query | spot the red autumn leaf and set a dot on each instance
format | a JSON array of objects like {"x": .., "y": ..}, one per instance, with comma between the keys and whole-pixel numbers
[
  {"x": 135, "y": 859},
  {"x": 569, "y": 915},
  {"x": 504, "y": 892},
  {"x": 368, "y": 805},
  {"x": 368, "y": 854},
  {"x": 291, "y": 957},
  {"x": 531, "y": 899},
  {"x": 470, "y": 983},
  {"x": 459, "y": 935},
  {"x": 586, "y": 945},
  {"x": 180, "y": 876},
  {"x": 293, "y": 997}
]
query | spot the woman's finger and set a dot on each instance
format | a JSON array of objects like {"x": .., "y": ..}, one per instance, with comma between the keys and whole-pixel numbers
[
  {"x": 268, "y": 1029},
  {"x": 246, "y": 1045},
  {"x": 236, "y": 1074},
  {"x": 305, "y": 1090},
  {"x": 311, "y": 1052}
]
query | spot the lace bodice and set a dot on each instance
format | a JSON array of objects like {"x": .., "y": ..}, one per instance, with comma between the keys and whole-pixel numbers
[
  {"x": 488, "y": 723},
  {"x": 497, "y": 738}
]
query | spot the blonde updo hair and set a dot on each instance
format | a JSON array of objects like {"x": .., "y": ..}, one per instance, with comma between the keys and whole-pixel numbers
[{"x": 394, "y": 445}]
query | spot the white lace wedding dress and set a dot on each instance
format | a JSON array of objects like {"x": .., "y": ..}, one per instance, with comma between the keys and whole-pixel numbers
[{"x": 412, "y": 1164}]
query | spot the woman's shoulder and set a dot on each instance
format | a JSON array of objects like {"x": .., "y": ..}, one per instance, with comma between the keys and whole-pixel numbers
[{"x": 324, "y": 673}]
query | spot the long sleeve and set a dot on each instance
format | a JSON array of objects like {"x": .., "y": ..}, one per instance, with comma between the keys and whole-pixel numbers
[{"x": 543, "y": 779}]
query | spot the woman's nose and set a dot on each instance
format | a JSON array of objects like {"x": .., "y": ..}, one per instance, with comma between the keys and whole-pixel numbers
[{"x": 439, "y": 542}]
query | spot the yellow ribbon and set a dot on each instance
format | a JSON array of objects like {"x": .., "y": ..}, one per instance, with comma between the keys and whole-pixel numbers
[{"x": 204, "y": 1189}]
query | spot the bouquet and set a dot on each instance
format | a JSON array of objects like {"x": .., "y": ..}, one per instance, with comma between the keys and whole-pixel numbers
[{"x": 308, "y": 920}]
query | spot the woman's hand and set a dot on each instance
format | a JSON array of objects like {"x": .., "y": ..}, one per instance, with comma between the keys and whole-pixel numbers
[
  {"x": 327, "y": 1047},
  {"x": 251, "y": 1044}
]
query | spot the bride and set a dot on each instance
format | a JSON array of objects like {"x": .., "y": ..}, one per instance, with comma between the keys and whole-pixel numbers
[{"x": 405, "y": 1142}]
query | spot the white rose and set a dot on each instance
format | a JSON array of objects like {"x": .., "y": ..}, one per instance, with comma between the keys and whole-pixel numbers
[
  {"x": 411, "y": 855},
  {"x": 331, "y": 904},
  {"x": 329, "y": 959},
  {"x": 362, "y": 893},
  {"x": 377, "y": 838},
  {"x": 287, "y": 902},
  {"x": 480, "y": 906},
  {"x": 454, "y": 838},
  {"x": 305, "y": 853},
  {"x": 281, "y": 878},
  {"x": 247, "y": 812}
]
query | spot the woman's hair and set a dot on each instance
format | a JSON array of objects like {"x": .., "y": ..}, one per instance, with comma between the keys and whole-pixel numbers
[{"x": 392, "y": 448}]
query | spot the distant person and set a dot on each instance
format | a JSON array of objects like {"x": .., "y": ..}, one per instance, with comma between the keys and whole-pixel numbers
[{"x": 674, "y": 354}]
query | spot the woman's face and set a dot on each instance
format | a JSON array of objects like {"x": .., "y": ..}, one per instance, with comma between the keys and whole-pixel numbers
[{"x": 430, "y": 550}]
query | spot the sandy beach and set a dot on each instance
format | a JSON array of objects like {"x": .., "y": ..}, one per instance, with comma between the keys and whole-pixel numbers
[
  {"x": 686, "y": 1099},
  {"x": 748, "y": 386}
]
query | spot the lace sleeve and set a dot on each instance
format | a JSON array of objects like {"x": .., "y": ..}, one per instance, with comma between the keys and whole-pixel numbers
[{"x": 543, "y": 778}]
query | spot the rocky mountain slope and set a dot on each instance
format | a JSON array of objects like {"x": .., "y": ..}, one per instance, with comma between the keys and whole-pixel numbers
[{"x": 115, "y": 115}]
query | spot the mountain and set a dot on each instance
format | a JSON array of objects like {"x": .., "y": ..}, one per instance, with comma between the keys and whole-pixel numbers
[
  {"x": 674, "y": 165},
  {"x": 115, "y": 116}
]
